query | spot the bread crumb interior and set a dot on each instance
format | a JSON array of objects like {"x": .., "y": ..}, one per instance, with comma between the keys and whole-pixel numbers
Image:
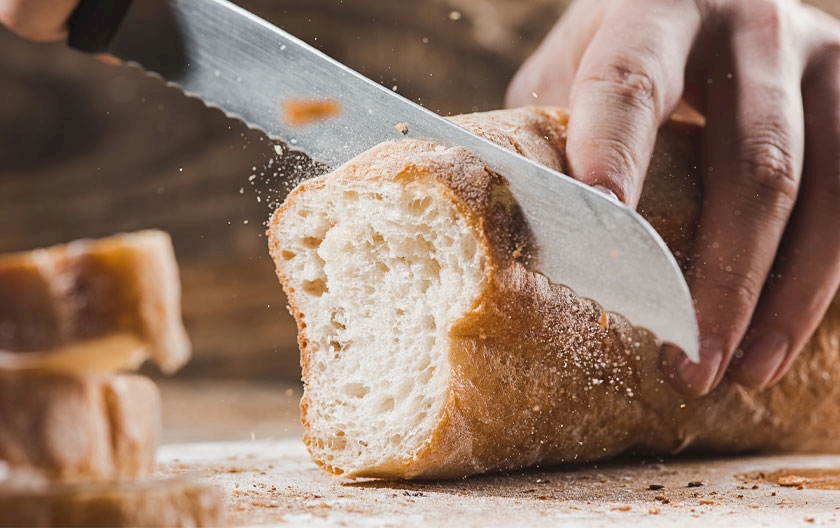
[{"x": 380, "y": 271}]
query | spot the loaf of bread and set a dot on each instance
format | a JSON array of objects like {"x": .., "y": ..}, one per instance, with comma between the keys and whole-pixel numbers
[
  {"x": 71, "y": 428},
  {"x": 430, "y": 349},
  {"x": 173, "y": 502},
  {"x": 96, "y": 305}
]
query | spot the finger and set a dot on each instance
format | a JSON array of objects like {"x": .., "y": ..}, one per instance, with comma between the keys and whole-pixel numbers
[
  {"x": 753, "y": 158},
  {"x": 41, "y": 20},
  {"x": 546, "y": 77},
  {"x": 808, "y": 271},
  {"x": 629, "y": 81}
]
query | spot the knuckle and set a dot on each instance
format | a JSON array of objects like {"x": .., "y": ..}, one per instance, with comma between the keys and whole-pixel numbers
[
  {"x": 736, "y": 291},
  {"x": 630, "y": 79},
  {"x": 770, "y": 170}
]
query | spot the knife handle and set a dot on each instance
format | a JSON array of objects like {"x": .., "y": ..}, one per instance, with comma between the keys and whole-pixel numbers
[{"x": 94, "y": 23}]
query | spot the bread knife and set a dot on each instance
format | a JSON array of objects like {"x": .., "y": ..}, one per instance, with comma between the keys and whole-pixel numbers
[{"x": 234, "y": 60}]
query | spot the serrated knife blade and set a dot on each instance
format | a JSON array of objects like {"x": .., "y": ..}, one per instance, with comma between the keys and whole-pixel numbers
[{"x": 603, "y": 250}]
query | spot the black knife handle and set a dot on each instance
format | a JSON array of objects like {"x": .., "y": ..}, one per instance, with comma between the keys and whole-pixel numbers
[{"x": 94, "y": 23}]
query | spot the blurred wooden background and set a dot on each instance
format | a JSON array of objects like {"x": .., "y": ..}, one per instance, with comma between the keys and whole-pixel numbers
[{"x": 88, "y": 149}]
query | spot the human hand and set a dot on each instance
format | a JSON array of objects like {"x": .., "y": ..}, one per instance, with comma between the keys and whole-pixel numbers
[
  {"x": 41, "y": 20},
  {"x": 766, "y": 74}
]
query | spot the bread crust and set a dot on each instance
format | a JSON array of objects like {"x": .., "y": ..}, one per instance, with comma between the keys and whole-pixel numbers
[
  {"x": 542, "y": 376},
  {"x": 100, "y": 305},
  {"x": 77, "y": 428},
  {"x": 154, "y": 503}
]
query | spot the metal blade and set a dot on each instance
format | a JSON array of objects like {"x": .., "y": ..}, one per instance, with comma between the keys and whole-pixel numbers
[{"x": 232, "y": 59}]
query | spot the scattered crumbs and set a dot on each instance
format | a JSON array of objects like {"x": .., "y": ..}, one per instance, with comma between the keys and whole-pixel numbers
[
  {"x": 454, "y": 15},
  {"x": 809, "y": 519},
  {"x": 656, "y": 487},
  {"x": 663, "y": 499},
  {"x": 413, "y": 493},
  {"x": 654, "y": 511},
  {"x": 773, "y": 494},
  {"x": 251, "y": 178},
  {"x": 535, "y": 408},
  {"x": 299, "y": 112},
  {"x": 791, "y": 481},
  {"x": 695, "y": 484},
  {"x": 755, "y": 486},
  {"x": 754, "y": 506},
  {"x": 707, "y": 502},
  {"x": 402, "y": 128},
  {"x": 622, "y": 508}
]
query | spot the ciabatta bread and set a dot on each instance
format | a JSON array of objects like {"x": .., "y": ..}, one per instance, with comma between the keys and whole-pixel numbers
[
  {"x": 429, "y": 349},
  {"x": 70, "y": 428},
  {"x": 98, "y": 305},
  {"x": 171, "y": 503}
]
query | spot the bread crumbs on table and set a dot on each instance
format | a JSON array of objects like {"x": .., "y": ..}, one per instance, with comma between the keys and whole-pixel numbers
[
  {"x": 654, "y": 511},
  {"x": 707, "y": 502},
  {"x": 402, "y": 128},
  {"x": 663, "y": 499},
  {"x": 695, "y": 484},
  {"x": 656, "y": 487}
]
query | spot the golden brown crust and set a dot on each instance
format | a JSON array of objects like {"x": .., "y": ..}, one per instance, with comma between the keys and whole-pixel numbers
[
  {"x": 69, "y": 428},
  {"x": 92, "y": 305},
  {"x": 174, "y": 502},
  {"x": 541, "y": 376}
]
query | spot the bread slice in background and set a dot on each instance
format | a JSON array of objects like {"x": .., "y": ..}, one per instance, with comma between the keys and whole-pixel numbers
[
  {"x": 96, "y": 305},
  {"x": 172, "y": 502},
  {"x": 430, "y": 349},
  {"x": 72, "y": 428}
]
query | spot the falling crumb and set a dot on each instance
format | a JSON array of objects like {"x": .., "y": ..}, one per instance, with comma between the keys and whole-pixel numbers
[
  {"x": 604, "y": 321},
  {"x": 242, "y": 190},
  {"x": 534, "y": 95},
  {"x": 454, "y": 15},
  {"x": 695, "y": 484},
  {"x": 289, "y": 392},
  {"x": 402, "y": 128},
  {"x": 299, "y": 112}
]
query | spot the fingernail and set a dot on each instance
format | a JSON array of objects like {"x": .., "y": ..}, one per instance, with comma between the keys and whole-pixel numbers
[
  {"x": 700, "y": 377},
  {"x": 762, "y": 358},
  {"x": 607, "y": 192}
]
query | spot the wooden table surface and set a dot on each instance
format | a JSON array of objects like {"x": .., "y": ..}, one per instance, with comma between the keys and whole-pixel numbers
[{"x": 245, "y": 437}]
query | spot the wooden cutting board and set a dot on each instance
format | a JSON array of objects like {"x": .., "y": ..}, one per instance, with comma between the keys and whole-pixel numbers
[{"x": 257, "y": 456}]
